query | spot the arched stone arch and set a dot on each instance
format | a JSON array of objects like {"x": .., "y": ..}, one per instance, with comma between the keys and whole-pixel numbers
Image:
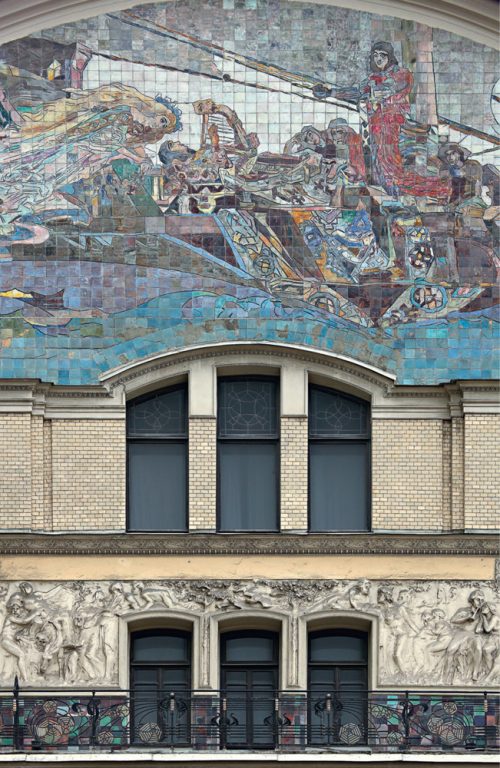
[
  {"x": 365, "y": 621},
  {"x": 156, "y": 619},
  {"x": 167, "y": 368},
  {"x": 248, "y": 619}
]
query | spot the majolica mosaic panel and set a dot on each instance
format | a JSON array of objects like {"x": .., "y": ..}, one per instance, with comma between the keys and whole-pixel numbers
[{"x": 184, "y": 173}]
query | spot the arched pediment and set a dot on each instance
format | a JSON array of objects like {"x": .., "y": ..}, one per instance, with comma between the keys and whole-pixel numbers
[{"x": 170, "y": 367}]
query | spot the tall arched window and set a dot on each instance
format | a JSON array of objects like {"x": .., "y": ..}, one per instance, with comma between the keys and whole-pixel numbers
[
  {"x": 157, "y": 459},
  {"x": 339, "y": 461},
  {"x": 160, "y": 682},
  {"x": 248, "y": 454},
  {"x": 338, "y": 681}
]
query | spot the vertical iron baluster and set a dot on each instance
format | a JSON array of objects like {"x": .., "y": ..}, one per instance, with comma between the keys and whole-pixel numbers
[
  {"x": 406, "y": 720},
  {"x": 93, "y": 710},
  {"x": 485, "y": 715},
  {"x": 171, "y": 711},
  {"x": 223, "y": 723},
  {"x": 329, "y": 718},
  {"x": 15, "y": 716},
  {"x": 276, "y": 723}
]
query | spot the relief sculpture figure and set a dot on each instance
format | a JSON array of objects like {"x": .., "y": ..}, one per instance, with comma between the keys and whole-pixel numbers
[{"x": 67, "y": 633}]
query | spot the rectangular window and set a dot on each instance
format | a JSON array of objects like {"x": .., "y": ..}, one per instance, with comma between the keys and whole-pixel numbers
[
  {"x": 157, "y": 485},
  {"x": 157, "y": 458},
  {"x": 248, "y": 455},
  {"x": 339, "y": 461}
]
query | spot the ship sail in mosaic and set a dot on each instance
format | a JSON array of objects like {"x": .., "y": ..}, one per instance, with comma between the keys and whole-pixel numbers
[{"x": 173, "y": 175}]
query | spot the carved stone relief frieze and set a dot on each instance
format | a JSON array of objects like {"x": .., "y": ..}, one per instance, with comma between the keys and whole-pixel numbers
[{"x": 429, "y": 633}]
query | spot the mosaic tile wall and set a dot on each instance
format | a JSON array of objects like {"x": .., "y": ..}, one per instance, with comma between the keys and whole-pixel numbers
[{"x": 187, "y": 173}]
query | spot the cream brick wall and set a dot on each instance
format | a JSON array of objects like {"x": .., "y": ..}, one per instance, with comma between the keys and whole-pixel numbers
[
  {"x": 37, "y": 479},
  {"x": 202, "y": 473},
  {"x": 47, "y": 475},
  {"x": 407, "y": 474},
  {"x": 482, "y": 472},
  {"x": 294, "y": 466},
  {"x": 457, "y": 473},
  {"x": 88, "y": 474},
  {"x": 66, "y": 474},
  {"x": 15, "y": 472},
  {"x": 447, "y": 511}
]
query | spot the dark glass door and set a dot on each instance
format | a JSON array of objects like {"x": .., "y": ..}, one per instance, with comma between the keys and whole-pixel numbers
[
  {"x": 249, "y": 683},
  {"x": 338, "y": 682},
  {"x": 160, "y": 675}
]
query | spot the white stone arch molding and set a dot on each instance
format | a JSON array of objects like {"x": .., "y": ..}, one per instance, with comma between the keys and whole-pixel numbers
[
  {"x": 477, "y": 20},
  {"x": 366, "y": 621},
  {"x": 251, "y": 618},
  {"x": 296, "y": 365},
  {"x": 134, "y": 621}
]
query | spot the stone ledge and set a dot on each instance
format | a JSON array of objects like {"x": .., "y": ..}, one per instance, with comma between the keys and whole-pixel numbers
[
  {"x": 242, "y": 544},
  {"x": 252, "y": 758}
]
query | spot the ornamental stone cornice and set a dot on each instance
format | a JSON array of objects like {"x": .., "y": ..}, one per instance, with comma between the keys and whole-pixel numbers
[
  {"x": 389, "y": 400},
  {"x": 268, "y": 351},
  {"x": 242, "y": 544},
  {"x": 52, "y": 401}
]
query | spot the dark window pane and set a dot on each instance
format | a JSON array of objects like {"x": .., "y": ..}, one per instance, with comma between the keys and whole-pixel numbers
[
  {"x": 338, "y": 481},
  {"x": 248, "y": 493},
  {"x": 235, "y": 678},
  {"x": 145, "y": 677},
  {"x": 247, "y": 408},
  {"x": 160, "y": 415},
  {"x": 175, "y": 679},
  {"x": 160, "y": 648},
  {"x": 334, "y": 415},
  {"x": 351, "y": 678},
  {"x": 157, "y": 486},
  {"x": 335, "y": 648},
  {"x": 320, "y": 678},
  {"x": 250, "y": 648}
]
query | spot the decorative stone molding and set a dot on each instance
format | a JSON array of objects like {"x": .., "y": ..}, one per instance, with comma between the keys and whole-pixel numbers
[
  {"x": 56, "y": 402},
  {"x": 480, "y": 397},
  {"x": 135, "y": 375},
  {"x": 248, "y": 544},
  {"x": 388, "y": 399},
  {"x": 427, "y": 633}
]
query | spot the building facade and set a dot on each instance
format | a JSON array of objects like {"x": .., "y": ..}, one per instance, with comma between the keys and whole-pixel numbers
[{"x": 249, "y": 399}]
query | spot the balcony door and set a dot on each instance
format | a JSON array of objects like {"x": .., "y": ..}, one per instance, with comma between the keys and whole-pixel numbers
[
  {"x": 160, "y": 681},
  {"x": 249, "y": 684},
  {"x": 338, "y": 682}
]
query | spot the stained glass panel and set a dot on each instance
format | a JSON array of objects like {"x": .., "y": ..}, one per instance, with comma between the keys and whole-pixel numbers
[
  {"x": 162, "y": 414},
  {"x": 332, "y": 414},
  {"x": 247, "y": 408}
]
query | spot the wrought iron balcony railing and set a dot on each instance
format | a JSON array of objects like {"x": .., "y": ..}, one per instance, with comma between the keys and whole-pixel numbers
[{"x": 237, "y": 719}]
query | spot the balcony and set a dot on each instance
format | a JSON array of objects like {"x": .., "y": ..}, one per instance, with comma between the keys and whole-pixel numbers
[{"x": 369, "y": 721}]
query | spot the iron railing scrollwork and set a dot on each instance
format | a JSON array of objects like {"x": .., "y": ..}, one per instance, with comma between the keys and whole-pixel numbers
[{"x": 378, "y": 721}]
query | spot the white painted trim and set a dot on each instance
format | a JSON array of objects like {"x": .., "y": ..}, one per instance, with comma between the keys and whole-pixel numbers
[{"x": 475, "y": 20}]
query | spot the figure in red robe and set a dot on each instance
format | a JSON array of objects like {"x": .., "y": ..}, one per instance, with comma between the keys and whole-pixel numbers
[{"x": 386, "y": 94}]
